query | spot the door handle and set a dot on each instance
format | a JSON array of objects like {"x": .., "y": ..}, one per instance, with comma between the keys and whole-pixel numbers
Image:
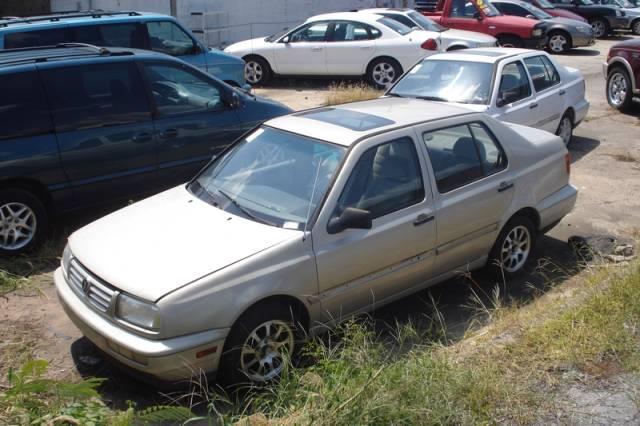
[
  {"x": 533, "y": 105},
  {"x": 169, "y": 133},
  {"x": 366, "y": 47},
  {"x": 422, "y": 218},
  {"x": 562, "y": 92},
  {"x": 141, "y": 137},
  {"x": 316, "y": 48},
  {"x": 504, "y": 186}
]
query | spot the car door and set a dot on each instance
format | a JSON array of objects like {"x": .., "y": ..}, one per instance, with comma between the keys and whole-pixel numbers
[
  {"x": 550, "y": 94},
  {"x": 192, "y": 119},
  {"x": 513, "y": 98},
  {"x": 464, "y": 16},
  {"x": 170, "y": 38},
  {"x": 350, "y": 48},
  {"x": 303, "y": 51},
  {"x": 104, "y": 129},
  {"x": 359, "y": 267},
  {"x": 474, "y": 188}
]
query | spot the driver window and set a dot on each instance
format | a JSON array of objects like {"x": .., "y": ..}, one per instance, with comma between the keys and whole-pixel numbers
[
  {"x": 178, "y": 90},
  {"x": 313, "y": 32},
  {"x": 463, "y": 9},
  {"x": 514, "y": 83},
  {"x": 387, "y": 178},
  {"x": 167, "y": 37}
]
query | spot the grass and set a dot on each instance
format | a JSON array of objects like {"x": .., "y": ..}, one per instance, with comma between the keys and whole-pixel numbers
[{"x": 342, "y": 93}]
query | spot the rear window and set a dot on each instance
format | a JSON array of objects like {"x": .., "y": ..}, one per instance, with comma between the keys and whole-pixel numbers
[
  {"x": 395, "y": 25},
  {"x": 35, "y": 38},
  {"x": 23, "y": 109},
  {"x": 96, "y": 96}
]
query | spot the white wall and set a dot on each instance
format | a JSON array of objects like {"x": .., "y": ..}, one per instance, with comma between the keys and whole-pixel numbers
[{"x": 228, "y": 21}]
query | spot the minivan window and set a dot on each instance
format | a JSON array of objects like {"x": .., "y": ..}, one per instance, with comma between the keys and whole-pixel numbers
[
  {"x": 386, "y": 178},
  {"x": 111, "y": 35},
  {"x": 23, "y": 108},
  {"x": 35, "y": 38},
  {"x": 91, "y": 96},
  {"x": 179, "y": 90},
  {"x": 169, "y": 38}
]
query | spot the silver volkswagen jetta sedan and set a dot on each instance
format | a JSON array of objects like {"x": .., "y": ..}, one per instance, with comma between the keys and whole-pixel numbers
[{"x": 309, "y": 219}]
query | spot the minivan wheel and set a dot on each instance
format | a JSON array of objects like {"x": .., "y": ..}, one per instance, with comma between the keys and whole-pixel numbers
[
  {"x": 619, "y": 89},
  {"x": 23, "y": 221},
  {"x": 382, "y": 72},
  {"x": 565, "y": 128},
  {"x": 513, "y": 247},
  {"x": 261, "y": 345},
  {"x": 256, "y": 70}
]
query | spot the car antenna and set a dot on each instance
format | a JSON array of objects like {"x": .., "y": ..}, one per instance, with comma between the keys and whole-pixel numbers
[{"x": 313, "y": 193}]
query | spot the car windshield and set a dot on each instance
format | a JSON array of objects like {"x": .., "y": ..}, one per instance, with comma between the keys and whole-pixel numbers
[
  {"x": 426, "y": 23},
  {"x": 538, "y": 13},
  {"x": 271, "y": 176},
  {"x": 545, "y": 4},
  {"x": 624, "y": 3},
  {"x": 277, "y": 35},
  {"x": 396, "y": 26},
  {"x": 448, "y": 81}
]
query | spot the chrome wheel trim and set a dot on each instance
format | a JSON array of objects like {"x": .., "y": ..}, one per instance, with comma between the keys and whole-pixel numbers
[
  {"x": 265, "y": 351},
  {"x": 253, "y": 72},
  {"x": 383, "y": 73},
  {"x": 557, "y": 43},
  {"x": 617, "y": 88},
  {"x": 599, "y": 28},
  {"x": 565, "y": 129},
  {"x": 17, "y": 225},
  {"x": 515, "y": 249}
]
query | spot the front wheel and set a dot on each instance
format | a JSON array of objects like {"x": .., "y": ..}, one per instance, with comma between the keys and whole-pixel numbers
[
  {"x": 559, "y": 42},
  {"x": 383, "y": 72},
  {"x": 619, "y": 94},
  {"x": 513, "y": 247},
  {"x": 565, "y": 128},
  {"x": 23, "y": 221},
  {"x": 256, "y": 70},
  {"x": 509, "y": 41},
  {"x": 600, "y": 27}
]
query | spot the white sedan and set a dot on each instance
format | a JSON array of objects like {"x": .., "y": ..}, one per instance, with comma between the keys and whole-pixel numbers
[
  {"x": 344, "y": 44},
  {"x": 448, "y": 38},
  {"x": 520, "y": 86}
]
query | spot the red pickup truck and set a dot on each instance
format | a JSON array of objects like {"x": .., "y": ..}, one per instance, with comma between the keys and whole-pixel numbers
[{"x": 483, "y": 17}]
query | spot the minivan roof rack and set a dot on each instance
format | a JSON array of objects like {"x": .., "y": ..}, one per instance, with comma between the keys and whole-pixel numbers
[
  {"x": 95, "y": 13},
  {"x": 101, "y": 51}
]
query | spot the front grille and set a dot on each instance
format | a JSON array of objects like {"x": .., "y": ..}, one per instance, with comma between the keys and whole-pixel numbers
[{"x": 89, "y": 288}]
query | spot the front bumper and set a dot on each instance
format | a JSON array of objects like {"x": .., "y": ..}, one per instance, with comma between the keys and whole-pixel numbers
[
  {"x": 535, "y": 43},
  {"x": 620, "y": 22},
  {"x": 556, "y": 206},
  {"x": 580, "y": 111},
  {"x": 579, "y": 39},
  {"x": 167, "y": 360}
]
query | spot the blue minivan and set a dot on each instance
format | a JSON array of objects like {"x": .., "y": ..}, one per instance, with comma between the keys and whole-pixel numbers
[
  {"x": 82, "y": 125},
  {"x": 138, "y": 30}
]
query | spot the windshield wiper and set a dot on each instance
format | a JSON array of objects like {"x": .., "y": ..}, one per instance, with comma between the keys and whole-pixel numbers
[
  {"x": 242, "y": 209},
  {"x": 395, "y": 95},
  {"x": 432, "y": 98}
]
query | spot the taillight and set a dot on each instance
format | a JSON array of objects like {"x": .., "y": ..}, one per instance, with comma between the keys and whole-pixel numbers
[
  {"x": 430, "y": 44},
  {"x": 567, "y": 162}
]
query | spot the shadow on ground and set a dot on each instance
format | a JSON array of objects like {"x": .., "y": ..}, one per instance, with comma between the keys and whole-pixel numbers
[
  {"x": 581, "y": 52},
  {"x": 581, "y": 146}
]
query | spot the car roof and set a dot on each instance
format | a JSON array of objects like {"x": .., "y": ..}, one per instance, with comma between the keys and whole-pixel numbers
[
  {"x": 368, "y": 18},
  {"x": 347, "y": 123},
  {"x": 68, "y": 51},
  {"x": 84, "y": 17},
  {"x": 397, "y": 11},
  {"x": 488, "y": 55}
]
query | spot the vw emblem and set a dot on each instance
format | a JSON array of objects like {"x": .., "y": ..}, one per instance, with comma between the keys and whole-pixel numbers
[{"x": 85, "y": 286}]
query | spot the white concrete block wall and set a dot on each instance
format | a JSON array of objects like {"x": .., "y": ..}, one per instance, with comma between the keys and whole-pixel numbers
[{"x": 240, "y": 19}]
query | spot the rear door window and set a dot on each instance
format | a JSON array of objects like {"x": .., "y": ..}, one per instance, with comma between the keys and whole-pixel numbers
[
  {"x": 167, "y": 37},
  {"x": 111, "y": 35},
  {"x": 101, "y": 95},
  {"x": 350, "y": 31},
  {"x": 23, "y": 108},
  {"x": 36, "y": 38},
  {"x": 542, "y": 72}
]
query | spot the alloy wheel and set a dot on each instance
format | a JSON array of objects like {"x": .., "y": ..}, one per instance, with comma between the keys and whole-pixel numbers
[
  {"x": 557, "y": 43},
  {"x": 636, "y": 27},
  {"x": 17, "y": 226},
  {"x": 515, "y": 249},
  {"x": 265, "y": 351},
  {"x": 599, "y": 28},
  {"x": 253, "y": 72},
  {"x": 617, "y": 89},
  {"x": 565, "y": 129},
  {"x": 383, "y": 74}
]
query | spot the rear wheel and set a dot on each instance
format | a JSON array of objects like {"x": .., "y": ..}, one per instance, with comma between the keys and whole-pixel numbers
[
  {"x": 559, "y": 42},
  {"x": 382, "y": 72},
  {"x": 619, "y": 93},
  {"x": 509, "y": 41},
  {"x": 256, "y": 70},
  {"x": 565, "y": 128},
  {"x": 23, "y": 221},
  {"x": 600, "y": 27},
  {"x": 513, "y": 247},
  {"x": 635, "y": 27}
]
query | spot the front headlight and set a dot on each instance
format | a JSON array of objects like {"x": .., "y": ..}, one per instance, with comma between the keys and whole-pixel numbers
[
  {"x": 66, "y": 259},
  {"x": 585, "y": 29},
  {"x": 537, "y": 32},
  {"x": 138, "y": 313}
]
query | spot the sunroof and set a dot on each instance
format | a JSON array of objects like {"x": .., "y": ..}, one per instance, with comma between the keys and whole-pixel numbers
[{"x": 352, "y": 120}]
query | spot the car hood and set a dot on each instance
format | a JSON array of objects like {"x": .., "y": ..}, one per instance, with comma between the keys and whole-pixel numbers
[
  {"x": 160, "y": 244},
  {"x": 472, "y": 36},
  {"x": 247, "y": 46},
  {"x": 565, "y": 22}
]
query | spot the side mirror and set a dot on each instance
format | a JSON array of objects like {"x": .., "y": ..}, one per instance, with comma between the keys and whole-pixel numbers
[
  {"x": 246, "y": 88},
  {"x": 506, "y": 97},
  {"x": 234, "y": 101},
  {"x": 286, "y": 40},
  {"x": 531, "y": 17},
  {"x": 350, "y": 218},
  {"x": 478, "y": 16}
]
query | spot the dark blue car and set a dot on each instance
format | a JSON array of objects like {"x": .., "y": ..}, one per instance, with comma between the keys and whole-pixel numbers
[{"x": 82, "y": 126}]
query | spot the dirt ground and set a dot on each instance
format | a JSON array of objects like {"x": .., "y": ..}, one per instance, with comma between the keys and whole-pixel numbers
[{"x": 606, "y": 169}]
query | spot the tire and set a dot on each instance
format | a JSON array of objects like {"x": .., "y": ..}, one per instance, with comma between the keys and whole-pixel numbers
[
  {"x": 504, "y": 259},
  {"x": 565, "y": 128},
  {"x": 559, "y": 42},
  {"x": 510, "y": 41},
  {"x": 238, "y": 365},
  {"x": 635, "y": 27},
  {"x": 23, "y": 221},
  {"x": 383, "y": 72},
  {"x": 600, "y": 27},
  {"x": 619, "y": 89},
  {"x": 257, "y": 70}
]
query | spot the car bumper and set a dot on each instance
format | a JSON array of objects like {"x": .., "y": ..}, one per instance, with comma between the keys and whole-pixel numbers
[
  {"x": 168, "y": 359},
  {"x": 535, "y": 43},
  {"x": 580, "y": 112},
  {"x": 582, "y": 40},
  {"x": 557, "y": 205},
  {"x": 620, "y": 22}
]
